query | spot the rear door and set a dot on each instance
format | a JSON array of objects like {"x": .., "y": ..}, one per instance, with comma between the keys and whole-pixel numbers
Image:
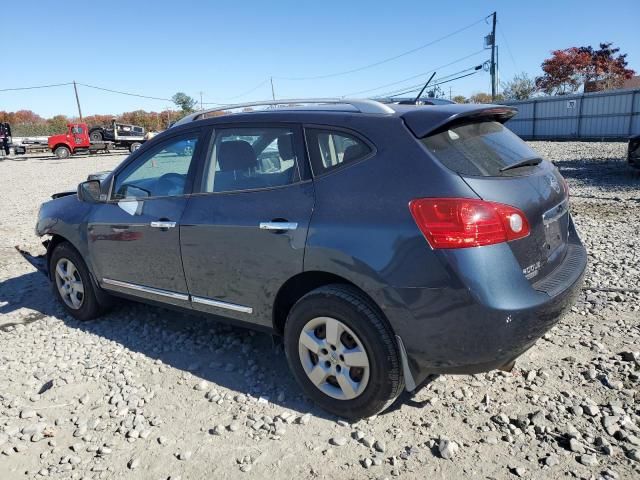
[
  {"x": 481, "y": 152},
  {"x": 243, "y": 235}
]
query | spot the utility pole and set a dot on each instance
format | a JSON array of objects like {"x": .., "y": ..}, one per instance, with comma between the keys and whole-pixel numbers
[
  {"x": 493, "y": 57},
  {"x": 75, "y": 89},
  {"x": 449, "y": 93},
  {"x": 273, "y": 94},
  {"x": 497, "y": 70},
  {"x": 201, "y": 107}
]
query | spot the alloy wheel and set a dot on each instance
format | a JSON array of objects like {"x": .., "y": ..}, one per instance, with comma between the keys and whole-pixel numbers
[
  {"x": 69, "y": 283},
  {"x": 334, "y": 358}
]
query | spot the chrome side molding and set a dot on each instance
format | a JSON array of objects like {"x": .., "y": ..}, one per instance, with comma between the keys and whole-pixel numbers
[
  {"x": 178, "y": 296},
  {"x": 219, "y": 304},
  {"x": 142, "y": 288}
]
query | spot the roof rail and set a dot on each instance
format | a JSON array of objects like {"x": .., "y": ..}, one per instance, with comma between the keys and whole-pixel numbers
[{"x": 361, "y": 105}]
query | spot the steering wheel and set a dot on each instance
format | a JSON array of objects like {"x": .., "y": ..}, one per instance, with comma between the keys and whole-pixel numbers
[{"x": 171, "y": 183}]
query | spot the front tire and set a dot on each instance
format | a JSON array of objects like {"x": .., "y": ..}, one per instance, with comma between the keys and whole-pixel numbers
[
  {"x": 134, "y": 146},
  {"x": 342, "y": 352},
  {"x": 72, "y": 283}
]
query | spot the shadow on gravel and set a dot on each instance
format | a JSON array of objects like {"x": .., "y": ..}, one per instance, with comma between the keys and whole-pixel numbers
[
  {"x": 608, "y": 175},
  {"x": 30, "y": 291},
  {"x": 240, "y": 360}
]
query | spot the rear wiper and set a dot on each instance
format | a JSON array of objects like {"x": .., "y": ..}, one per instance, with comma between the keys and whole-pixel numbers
[{"x": 525, "y": 162}]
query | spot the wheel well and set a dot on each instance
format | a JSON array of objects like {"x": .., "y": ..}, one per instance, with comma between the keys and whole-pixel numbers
[
  {"x": 54, "y": 241},
  {"x": 297, "y": 287},
  {"x": 60, "y": 145}
]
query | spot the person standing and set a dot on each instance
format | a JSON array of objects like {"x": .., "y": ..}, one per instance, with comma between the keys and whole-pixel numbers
[{"x": 5, "y": 136}]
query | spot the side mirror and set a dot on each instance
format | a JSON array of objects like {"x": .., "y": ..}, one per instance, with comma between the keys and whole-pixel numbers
[{"x": 89, "y": 191}]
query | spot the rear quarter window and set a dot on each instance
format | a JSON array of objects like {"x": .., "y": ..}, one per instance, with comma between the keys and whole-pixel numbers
[
  {"x": 479, "y": 149},
  {"x": 331, "y": 149}
]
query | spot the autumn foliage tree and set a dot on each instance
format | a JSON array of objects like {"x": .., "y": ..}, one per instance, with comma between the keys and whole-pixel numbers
[
  {"x": 569, "y": 69},
  {"x": 25, "y": 123}
]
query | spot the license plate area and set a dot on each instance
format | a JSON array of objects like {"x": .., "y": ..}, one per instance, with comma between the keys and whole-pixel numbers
[{"x": 555, "y": 221}]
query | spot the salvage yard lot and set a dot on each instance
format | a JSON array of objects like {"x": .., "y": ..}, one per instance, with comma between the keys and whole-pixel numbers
[{"x": 149, "y": 393}]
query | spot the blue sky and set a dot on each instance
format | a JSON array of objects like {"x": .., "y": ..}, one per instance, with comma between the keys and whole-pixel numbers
[{"x": 225, "y": 49}]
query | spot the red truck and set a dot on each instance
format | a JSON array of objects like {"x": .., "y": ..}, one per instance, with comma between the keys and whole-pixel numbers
[
  {"x": 75, "y": 140},
  {"x": 78, "y": 139}
]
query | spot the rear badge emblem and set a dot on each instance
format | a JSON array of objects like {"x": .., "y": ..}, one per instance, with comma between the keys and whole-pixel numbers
[
  {"x": 532, "y": 270},
  {"x": 553, "y": 182}
]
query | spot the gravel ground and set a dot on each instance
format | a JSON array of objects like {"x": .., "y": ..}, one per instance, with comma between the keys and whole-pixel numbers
[{"x": 149, "y": 393}]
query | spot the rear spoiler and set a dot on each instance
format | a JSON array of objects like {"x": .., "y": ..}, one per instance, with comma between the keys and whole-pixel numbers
[{"x": 423, "y": 121}]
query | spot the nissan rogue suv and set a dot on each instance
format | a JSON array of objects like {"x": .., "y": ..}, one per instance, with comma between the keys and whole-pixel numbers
[{"x": 385, "y": 243}]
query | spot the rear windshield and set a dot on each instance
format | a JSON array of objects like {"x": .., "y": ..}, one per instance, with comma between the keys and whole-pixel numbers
[{"x": 479, "y": 149}]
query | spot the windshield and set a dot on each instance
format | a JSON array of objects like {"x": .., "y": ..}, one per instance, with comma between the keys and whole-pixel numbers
[{"x": 480, "y": 149}]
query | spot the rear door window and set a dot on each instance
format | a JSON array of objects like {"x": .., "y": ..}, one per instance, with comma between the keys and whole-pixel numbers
[
  {"x": 250, "y": 158},
  {"x": 480, "y": 149},
  {"x": 330, "y": 149}
]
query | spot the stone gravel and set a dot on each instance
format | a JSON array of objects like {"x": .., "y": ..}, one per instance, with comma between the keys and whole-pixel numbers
[{"x": 150, "y": 393}]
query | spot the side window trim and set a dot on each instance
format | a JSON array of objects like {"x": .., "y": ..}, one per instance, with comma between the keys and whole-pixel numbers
[
  {"x": 301, "y": 159},
  {"x": 141, "y": 155},
  {"x": 337, "y": 129}
]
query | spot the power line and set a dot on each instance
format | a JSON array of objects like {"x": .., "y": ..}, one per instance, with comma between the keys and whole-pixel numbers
[
  {"x": 445, "y": 77},
  {"x": 504, "y": 37},
  {"x": 266, "y": 80},
  {"x": 125, "y": 93},
  {"x": 418, "y": 75},
  {"x": 389, "y": 59},
  {"x": 432, "y": 85},
  {"x": 37, "y": 86}
]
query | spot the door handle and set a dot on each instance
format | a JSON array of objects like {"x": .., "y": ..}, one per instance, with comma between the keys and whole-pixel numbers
[
  {"x": 163, "y": 224},
  {"x": 278, "y": 226}
]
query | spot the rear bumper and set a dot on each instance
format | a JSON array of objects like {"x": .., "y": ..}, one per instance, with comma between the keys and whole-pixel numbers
[{"x": 487, "y": 325}]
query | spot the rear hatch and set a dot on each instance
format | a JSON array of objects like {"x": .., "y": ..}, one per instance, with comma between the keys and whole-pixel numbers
[{"x": 500, "y": 167}]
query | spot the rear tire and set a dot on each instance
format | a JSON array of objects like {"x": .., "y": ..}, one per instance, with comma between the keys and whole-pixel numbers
[
  {"x": 62, "y": 152},
  {"x": 72, "y": 283},
  {"x": 95, "y": 136},
  {"x": 356, "y": 372}
]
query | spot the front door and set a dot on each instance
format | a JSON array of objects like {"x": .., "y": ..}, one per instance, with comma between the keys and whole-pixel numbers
[
  {"x": 134, "y": 237},
  {"x": 244, "y": 234}
]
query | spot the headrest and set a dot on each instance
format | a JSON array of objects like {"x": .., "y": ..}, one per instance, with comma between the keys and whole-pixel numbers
[
  {"x": 236, "y": 155},
  {"x": 353, "y": 152},
  {"x": 285, "y": 146}
]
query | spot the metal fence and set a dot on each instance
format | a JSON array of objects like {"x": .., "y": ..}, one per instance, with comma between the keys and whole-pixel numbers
[{"x": 612, "y": 115}]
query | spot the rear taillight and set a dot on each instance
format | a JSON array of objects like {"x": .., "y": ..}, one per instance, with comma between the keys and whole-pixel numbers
[{"x": 465, "y": 222}]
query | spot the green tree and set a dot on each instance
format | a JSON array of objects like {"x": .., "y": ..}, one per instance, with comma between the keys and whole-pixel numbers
[
  {"x": 520, "y": 87},
  {"x": 480, "y": 97},
  {"x": 185, "y": 102},
  {"x": 57, "y": 124},
  {"x": 460, "y": 99}
]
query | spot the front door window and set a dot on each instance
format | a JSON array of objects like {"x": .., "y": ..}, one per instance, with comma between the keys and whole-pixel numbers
[{"x": 161, "y": 172}]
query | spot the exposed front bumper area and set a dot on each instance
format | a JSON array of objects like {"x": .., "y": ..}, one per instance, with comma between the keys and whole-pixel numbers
[{"x": 489, "y": 324}]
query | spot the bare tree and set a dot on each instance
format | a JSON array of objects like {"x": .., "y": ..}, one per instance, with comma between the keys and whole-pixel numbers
[{"x": 520, "y": 87}]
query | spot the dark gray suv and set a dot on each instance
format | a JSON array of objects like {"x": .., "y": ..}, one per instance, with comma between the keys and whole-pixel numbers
[{"x": 384, "y": 242}]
